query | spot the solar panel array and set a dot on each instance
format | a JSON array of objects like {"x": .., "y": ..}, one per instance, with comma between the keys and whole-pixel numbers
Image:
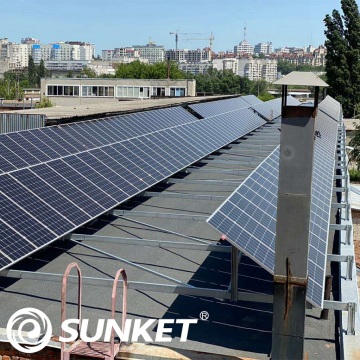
[
  {"x": 211, "y": 108},
  {"x": 251, "y": 99},
  {"x": 331, "y": 107},
  {"x": 248, "y": 216},
  {"x": 28, "y": 148},
  {"x": 272, "y": 109},
  {"x": 56, "y": 179}
]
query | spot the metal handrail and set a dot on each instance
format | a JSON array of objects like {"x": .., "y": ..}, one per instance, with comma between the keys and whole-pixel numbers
[
  {"x": 113, "y": 304},
  {"x": 63, "y": 299}
]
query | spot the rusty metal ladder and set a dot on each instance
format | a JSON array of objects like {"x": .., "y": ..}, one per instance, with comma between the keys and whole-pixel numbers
[{"x": 96, "y": 349}]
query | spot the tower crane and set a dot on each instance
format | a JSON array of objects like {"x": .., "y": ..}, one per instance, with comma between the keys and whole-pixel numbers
[
  {"x": 177, "y": 33},
  {"x": 211, "y": 39}
]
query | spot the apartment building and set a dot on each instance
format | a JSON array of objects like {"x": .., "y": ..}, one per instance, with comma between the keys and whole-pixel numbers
[
  {"x": 119, "y": 53},
  {"x": 263, "y": 48},
  {"x": 231, "y": 64},
  {"x": 258, "y": 69},
  {"x": 244, "y": 48},
  {"x": 63, "y": 51},
  {"x": 154, "y": 53},
  {"x": 186, "y": 55},
  {"x": 195, "y": 68}
]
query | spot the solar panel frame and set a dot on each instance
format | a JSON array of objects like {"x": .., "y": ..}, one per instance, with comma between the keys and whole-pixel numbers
[
  {"x": 212, "y": 108},
  {"x": 245, "y": 216},
  {"x": 82, "y": 173}
]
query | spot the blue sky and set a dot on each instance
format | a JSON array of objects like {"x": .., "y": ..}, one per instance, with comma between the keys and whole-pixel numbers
[{"x": 117, "y": 23}]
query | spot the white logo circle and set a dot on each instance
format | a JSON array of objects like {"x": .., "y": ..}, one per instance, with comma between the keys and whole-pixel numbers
[
  {"x": 204, "y": 315},
  {"x": 39, "y": 335}
]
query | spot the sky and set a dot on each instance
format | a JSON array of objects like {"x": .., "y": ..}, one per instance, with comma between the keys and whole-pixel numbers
[{"x": 118, "y": 23}]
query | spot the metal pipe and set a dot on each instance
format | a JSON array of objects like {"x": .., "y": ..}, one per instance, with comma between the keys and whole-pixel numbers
[
  {"x": 151, "y": 243},
  {"x": 142, "y": 286},
  {"x": 131, "y": 263},
  {"x": 165, "y": 230}
]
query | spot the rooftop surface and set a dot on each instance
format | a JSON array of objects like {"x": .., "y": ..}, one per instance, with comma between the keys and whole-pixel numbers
[
  {"x": 240, "y": 328},
  {"x": 105, "y": 108}
]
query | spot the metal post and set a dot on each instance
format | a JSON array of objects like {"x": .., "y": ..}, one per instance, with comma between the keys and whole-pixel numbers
[
  {"x": 328, "y": 284},
  {"x": 234, "y": 273},
  {"x": 292, "y": 232},
  {"x": 351, "y": 318}
]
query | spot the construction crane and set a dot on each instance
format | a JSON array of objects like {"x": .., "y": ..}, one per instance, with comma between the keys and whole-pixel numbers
[
  {"x": 211, "y": 39},
  {"x": 177, "y": 33}
]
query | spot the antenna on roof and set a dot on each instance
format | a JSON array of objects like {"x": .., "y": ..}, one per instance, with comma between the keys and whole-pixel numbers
[{"x": 245, "y": 31}]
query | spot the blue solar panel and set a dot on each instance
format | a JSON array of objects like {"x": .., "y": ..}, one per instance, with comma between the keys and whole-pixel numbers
[
  {"x": 86, "y": 174},
  {"x": 248, "y": 216},
  {"x": 212, "y": 108},
  {"x": 251, "y": 99},
  {"x": 331, "y": 107}
]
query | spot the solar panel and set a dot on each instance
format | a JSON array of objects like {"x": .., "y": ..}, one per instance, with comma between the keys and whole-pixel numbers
[
  {"x": 331, "y": 107},
  {"x": 272, "y": 109},
  {"x": 248, "y": 216},
  {"x": 212, "y": 108},
  {"x": 42, "y": 202},
  {"x": 251, "y": 99},
  {"x": 19, "y": 150}
]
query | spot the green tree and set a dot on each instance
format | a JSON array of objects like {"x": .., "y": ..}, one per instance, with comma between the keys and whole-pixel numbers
[
  {"x": 87, "y": 72},
  {"x": 32, "y": 72},
  {"x": 343, "y": 55},
  {"x": 44, "y": 103},
  {"x": 139, "y": 70}
]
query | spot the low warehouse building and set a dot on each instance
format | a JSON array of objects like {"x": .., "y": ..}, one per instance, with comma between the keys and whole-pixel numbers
[{"x": 87, "y": 90}]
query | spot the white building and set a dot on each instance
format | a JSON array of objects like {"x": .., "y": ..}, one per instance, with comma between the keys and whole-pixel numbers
[
  {"x": 243, "y": 48},
  {"x": 195, "y": 68},
  {"x": 77, "y": 91},
  {"x": 231, "y": 64},
  {"x": 154, "y": 53},
  {"x": 258, "y": 69},
  {"x": 63, "y": 51},
  {"x": 187, "y": 55},
  {"x": 117, "y": 53},
  {"x": 263, "y": 48}
]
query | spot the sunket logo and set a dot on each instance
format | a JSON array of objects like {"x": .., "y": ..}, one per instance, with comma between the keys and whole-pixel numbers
[{"x": 39, "y": 336}]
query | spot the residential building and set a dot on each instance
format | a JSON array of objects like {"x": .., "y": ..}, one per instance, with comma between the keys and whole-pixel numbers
[
  {"x": 263, "y": 48},
  {"x": 226, "y": 64},
  {"x": 186, "y": 55},
  {"x": 258, "y": 69},
  {"x": 125, "y": 52},
  {"x": 154, "y": 53},
  {"x": 244, "y": 48},
  {"x": 63, "y": 51},
  {"x": 195, "y": 68},
  {"x": 30, "y": 40}
]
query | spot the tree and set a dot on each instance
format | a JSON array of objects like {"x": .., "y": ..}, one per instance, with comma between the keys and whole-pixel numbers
[
  {"x": 343, "y": 55},
  {"x": 32, "y": 72},
  {"x": 139, "y": 70},
  {"x": 88, "y": 73}
]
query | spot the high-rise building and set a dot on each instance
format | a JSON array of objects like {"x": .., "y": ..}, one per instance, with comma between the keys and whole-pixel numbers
[
  {"x": 258, "y": 69},
  {"x": 154, "y": 53},
  {"x": 244, "y": 48},
  {"x": 186, "y": 55},
  {"x": 263, "y": 48}
]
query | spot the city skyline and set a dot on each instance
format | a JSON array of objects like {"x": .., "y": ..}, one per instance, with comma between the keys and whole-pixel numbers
[{"x": 110, "y": 23}]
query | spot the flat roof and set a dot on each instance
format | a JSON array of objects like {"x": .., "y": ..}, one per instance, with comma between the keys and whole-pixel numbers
[
  {"x": 233, "y": 328},
  {"x": 107, "y": 108}
]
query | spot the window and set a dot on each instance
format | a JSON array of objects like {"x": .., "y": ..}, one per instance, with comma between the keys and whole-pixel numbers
[
  {"x": 132, "y": 92},
  {"x": 97, "y": 91},
  {"x": 61, "y": 90},
  {"x": 177, "y": 91}
]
